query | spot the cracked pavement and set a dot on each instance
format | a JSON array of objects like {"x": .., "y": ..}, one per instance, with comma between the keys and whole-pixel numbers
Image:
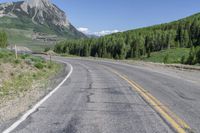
[{"x": 94, "y": 99}]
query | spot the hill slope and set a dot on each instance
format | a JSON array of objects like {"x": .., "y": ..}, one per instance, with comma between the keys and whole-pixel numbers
[
  {"x": 39, "y": 16},
  {"x": 184, "y": 33}
]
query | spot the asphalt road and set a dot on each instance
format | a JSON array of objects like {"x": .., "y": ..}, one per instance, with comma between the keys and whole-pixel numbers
[{"x": 96, "y": 100}]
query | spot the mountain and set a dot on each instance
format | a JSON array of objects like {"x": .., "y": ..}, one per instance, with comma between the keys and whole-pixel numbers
[{"x": 40, "y": 16}]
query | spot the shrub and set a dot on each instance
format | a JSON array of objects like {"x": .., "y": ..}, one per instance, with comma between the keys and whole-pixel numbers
[
  {"x": 166, "y": 59},
  {"x": 24, "y": 56},
  {"x": 5, "y": 53},
  {"x": 17, "y": 61},
  {"x": 183, "y": 60},
  {"x": 34, "y": 75},
  {"x": 1, "y": 55},
  {"x": 29, "y": 61},
  {"x": 198, "y": 55},
  {"x": 3, "y": 40},
  {"x": 50, "y": 66},
  {"x": 39, "y": 65},
  {"x": 191, "y": 59},
  {"x": 47, "y": 49},
  {"x": 37, "y": 59}
]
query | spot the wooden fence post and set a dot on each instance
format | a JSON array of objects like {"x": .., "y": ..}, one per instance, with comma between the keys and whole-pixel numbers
[{"x": 16, "y": 52}]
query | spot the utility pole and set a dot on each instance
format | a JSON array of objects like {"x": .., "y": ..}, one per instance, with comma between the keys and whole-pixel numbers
[{"x": 16, "y": 52}]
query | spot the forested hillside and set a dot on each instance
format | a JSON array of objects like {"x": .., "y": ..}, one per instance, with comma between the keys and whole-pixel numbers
[{"x": 184, "y": 33}]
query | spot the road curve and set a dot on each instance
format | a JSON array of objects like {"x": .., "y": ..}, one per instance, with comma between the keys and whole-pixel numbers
[{"x": 96, "y": 100}]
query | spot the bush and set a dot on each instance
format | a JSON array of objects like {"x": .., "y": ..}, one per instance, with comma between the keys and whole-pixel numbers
[
  {"x": 5, "y": 53},
  {"x": 24, "y": 56},
  {"x": 39, "y": 65},
  {"x": 3, "y": 40},
  {"x": 37, "y": 59},
  {"x": 198, "y": 55},
  {"x": 29, "y": 61},
  {"x": 17, "y": 61},
  {"x": 47, "y": 49},
  {"x": 166, "y": 59},
  {"x": 1, "y": 55},
  {"x": 50, "y": 66},
  {"x": 34, "y": 76},
  {"x": 183, "y": 60},
  {"x": 192, "y": 57}
]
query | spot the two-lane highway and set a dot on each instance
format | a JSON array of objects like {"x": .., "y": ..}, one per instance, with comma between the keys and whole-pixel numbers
[
  {"x": 95, "y": 99},
  {"x": 178, "y": 94}
]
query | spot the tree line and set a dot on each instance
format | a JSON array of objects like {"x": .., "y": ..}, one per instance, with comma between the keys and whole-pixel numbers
[
  {"x": 184, "y": 33},
  {"x": 3, "y": 40}
]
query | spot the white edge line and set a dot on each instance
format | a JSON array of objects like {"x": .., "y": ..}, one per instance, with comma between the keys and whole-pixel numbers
[{"x": 35, "y": 107}]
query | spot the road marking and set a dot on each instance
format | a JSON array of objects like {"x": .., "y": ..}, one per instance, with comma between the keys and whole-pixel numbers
[
  {"x": 29, "y": 112},
  {"x": 171, "y": 118}
]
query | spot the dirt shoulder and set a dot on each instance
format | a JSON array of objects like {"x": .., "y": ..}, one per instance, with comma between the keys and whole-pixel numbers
[
  {"x": 13, "y": 108},
  {"x": 18, "y": 95}
]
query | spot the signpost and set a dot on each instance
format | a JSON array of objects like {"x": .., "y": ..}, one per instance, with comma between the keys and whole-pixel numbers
[{"x": 16, "y": 52}]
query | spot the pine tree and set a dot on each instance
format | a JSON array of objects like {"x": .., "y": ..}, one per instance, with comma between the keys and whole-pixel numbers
[
  {"x": 194, "y": 32},
  {"x": 186, "y": 39}
]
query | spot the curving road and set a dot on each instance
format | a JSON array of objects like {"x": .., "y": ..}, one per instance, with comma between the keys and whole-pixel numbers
[{"x": 99, "y": 97}]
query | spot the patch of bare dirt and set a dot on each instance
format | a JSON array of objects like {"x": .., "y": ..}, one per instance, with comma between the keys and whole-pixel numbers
[{"x": 8, "y": 70}]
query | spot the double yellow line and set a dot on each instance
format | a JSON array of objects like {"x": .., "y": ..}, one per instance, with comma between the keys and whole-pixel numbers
[{"x": 171, "y": 118}]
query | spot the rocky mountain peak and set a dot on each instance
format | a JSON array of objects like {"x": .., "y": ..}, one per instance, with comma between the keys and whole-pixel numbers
[
  {"x": 38, "y": 3},
  {"x": 42, "y": 13},
  {"x": 44, "y": 10}
]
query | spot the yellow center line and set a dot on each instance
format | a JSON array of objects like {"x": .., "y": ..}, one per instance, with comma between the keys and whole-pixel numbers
[
  {"x": 164, "y": 108},
  {"x": 171, "y": 118}
]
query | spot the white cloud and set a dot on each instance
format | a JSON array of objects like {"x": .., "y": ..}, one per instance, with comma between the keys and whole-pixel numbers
[
  {"x": 105, "y": 32},
  {"x": 100, "y": 33},
  {"x": 83, "y": 29}
]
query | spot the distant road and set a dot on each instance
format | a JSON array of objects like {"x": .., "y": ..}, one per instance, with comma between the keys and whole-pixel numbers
[{"x": 106, "y": 97}]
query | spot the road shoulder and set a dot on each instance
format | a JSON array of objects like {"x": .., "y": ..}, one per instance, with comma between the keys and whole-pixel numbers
[{"x": 12, "y": 109}]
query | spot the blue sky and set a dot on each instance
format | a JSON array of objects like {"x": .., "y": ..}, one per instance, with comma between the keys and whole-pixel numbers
[{"x": 102, "y": 16}]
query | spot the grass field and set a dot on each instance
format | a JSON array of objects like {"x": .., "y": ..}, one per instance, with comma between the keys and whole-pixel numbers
[
  {"x": 24, "y": 38},
  {"x": 172, "y": 56}
]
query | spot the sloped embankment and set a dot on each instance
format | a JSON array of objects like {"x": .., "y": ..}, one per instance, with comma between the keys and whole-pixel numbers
[{"x": 23, "y": 82}]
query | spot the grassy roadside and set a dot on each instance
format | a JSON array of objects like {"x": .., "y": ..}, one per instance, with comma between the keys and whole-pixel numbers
[
  {"x": 171, "y": 56},
  {"x": 18, "y": 76},
  {"x": 173, "y": 60}
]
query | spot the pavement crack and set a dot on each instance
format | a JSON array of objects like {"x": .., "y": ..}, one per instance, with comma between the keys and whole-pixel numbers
[
  {"x": 71, "y": 127},
  {"x": 90, "y": 86},
  {"x": 183, "y": 96},
  {"x": 89, "y": 98}
]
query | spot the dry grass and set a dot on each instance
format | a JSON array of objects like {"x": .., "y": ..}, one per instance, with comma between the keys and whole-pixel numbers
[{"x": 22, "y": 83}]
